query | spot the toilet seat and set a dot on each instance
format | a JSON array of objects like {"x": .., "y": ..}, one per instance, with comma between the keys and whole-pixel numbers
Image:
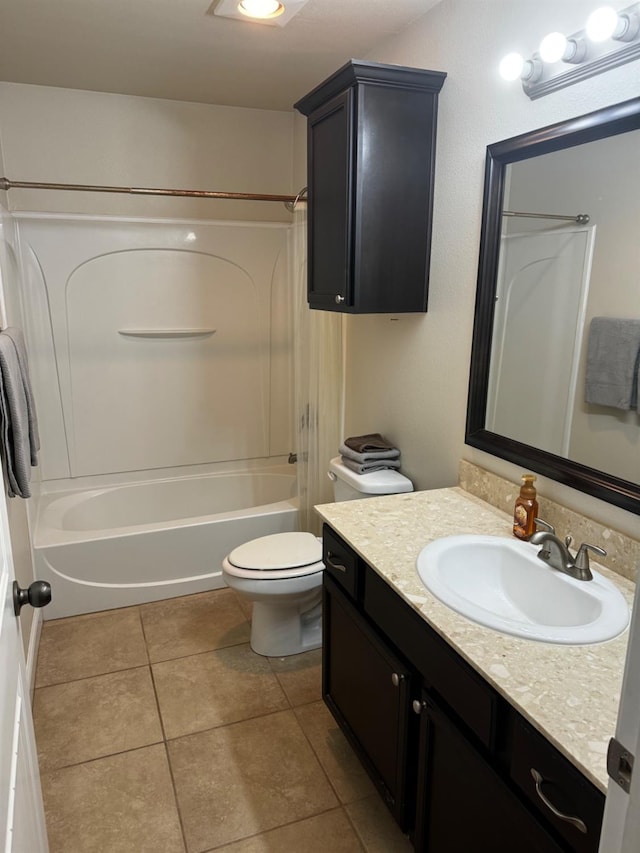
[{"x": 280, "y": 555}]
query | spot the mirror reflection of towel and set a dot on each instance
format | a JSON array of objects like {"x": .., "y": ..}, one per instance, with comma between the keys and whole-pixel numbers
[
  {"x": 19, "y": 440},
  {"x": 613, "y": 361}
]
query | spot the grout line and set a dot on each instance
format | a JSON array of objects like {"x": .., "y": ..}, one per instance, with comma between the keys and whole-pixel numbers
[
  {"x": 175, "y": 795},
  {"x": 202, "y": 652},
  {"x": 281, "y": 826},
  {"x": 159, "y": 710},
  {"x": 102, "y": 757},
  {"x": 88, "y": 677}
]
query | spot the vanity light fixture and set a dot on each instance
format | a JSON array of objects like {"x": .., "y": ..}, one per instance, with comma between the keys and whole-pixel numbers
[
  {"x": 271, "y": 12},
  {"x": 609, "y": 39}
]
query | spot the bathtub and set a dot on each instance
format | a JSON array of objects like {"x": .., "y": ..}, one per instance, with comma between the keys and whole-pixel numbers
[{"x": 128, "y": 544}]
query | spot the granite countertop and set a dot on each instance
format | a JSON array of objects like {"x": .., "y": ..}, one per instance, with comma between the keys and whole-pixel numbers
[{"x": 569, "y": 693}]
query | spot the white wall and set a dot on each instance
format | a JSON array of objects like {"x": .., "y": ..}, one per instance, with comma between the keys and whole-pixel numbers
[
  {"x": 408, "y": 379},
  {"x": 70, "y": 136}
]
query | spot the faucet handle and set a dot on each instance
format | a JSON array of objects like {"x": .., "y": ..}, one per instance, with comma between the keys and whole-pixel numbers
[
  {"x": 545, "y": 524},
  {"x": 582, "y": 557}
]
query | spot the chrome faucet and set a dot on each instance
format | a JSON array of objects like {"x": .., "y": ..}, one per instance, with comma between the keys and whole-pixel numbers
[{"x": 557, "y": 554}]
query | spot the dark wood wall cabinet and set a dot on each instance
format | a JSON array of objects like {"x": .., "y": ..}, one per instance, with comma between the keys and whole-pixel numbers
[
  {"x": 459, "y": 768},
  {"x": 371, "y": 152}
]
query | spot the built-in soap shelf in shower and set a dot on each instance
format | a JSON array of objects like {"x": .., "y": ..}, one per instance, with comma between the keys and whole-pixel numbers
[{"x": 166, "y": 333}]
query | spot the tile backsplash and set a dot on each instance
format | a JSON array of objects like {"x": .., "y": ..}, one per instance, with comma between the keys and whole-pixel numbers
[{"x": 623, "y": 552}]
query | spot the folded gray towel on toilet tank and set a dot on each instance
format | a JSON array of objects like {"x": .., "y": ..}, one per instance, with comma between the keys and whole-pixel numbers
[
  {"x": 369, "y": 455},
  {"x": 372, "y": 465},
  {"x": 369, "y": 442}
]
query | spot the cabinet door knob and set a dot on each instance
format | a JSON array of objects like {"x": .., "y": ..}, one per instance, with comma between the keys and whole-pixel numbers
[
  {"x": 418, "y": 706},
  {"x": 339, "y": 299},
  {"x": 575, "y": 821},
  {"x": 396, "y": 679}
]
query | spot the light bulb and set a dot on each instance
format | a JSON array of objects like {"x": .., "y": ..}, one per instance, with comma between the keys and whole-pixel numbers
[
  {"x": 261, "y": 8},
  {"x": 511, "y": 66},
  {"x": 553, "y": 47},
  {"x": 601, "y": 24}
]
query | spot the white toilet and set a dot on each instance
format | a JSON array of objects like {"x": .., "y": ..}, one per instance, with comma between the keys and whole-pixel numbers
[{"x": 282, "y": 574}]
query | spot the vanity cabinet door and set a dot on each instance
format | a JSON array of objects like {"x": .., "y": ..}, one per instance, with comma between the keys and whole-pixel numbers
[
  {"x": 368, "y": 691},
  {"x": 463, "y": 804}
]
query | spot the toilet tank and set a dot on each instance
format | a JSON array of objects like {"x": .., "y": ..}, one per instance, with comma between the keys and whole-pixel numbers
[{"x": 349, "y": 486}]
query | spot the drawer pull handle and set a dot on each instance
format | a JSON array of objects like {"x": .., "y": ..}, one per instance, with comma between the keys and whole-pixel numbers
[
  {"x": 579, "y": 824},
  {"x": 337, "y": 566}
]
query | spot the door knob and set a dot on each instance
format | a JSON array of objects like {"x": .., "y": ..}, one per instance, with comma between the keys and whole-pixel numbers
[{"x": 38, "y": 594}]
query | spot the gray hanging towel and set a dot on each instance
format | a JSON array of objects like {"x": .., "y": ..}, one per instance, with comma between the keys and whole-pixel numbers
[
  {"x": 19, "y": 441},
  {"x": 613, "y": 355}
]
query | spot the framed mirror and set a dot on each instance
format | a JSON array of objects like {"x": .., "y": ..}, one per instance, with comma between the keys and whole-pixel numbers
[{"x": 560, "y": 246}]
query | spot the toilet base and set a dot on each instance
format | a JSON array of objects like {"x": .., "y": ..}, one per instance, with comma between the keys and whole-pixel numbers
[{"x": 279, "y": 629}]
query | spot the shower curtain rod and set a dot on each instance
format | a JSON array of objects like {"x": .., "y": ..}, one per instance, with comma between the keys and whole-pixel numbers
[
  {"x": 289, "y": 201},
  {"x": 580, "y": 218}
]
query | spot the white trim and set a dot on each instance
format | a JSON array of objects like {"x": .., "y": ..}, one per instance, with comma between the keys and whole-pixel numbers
[{"x": 32, "y": 651}]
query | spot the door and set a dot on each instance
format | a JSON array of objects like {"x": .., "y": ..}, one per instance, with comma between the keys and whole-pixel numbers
[
  {"x": 22, "y": 824},
  {"x": 539, "y": 320},
  {"x": 330, "y": 157},
  {"x": 463, "y": 805},
  {"x": 367, "y": 689},
  {"x": 621, "y": 825}
]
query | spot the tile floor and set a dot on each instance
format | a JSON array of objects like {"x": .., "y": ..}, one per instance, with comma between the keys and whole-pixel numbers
[{"x": 160, "y": 731}]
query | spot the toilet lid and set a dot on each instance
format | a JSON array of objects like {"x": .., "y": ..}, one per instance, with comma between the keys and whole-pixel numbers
[{"x": 278, "y": 551}]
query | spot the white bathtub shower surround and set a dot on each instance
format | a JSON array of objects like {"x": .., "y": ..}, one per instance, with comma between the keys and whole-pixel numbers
[
  {"x": 157, "y": 343},
  {"x": 127, "y": 544}
]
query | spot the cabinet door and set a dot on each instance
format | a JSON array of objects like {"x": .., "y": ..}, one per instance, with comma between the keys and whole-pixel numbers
[
  {"x": 367, "y": 690},
  {"x": 463, "y": 805},
  {"x": 330, "y": 169}
]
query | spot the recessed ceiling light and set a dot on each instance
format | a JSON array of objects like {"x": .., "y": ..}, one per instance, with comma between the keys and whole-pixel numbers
[
  {"x": 260, "y": 8},
  {"x": 270, "y": 12}
]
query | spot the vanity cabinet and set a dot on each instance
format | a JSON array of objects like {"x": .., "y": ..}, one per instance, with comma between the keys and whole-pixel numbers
[
  {"x": 451, "y": 757},
  {"x": 371, "y": 135}
]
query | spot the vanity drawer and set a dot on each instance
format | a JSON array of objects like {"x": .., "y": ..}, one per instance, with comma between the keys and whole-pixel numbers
[
  {"x": 559, "y": 783},
  {"x": 443, "y": 671},
  {"x": 341, "y": 562}
]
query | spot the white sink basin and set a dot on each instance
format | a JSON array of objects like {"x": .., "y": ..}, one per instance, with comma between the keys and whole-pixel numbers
[{"x": 502, "y": 584}]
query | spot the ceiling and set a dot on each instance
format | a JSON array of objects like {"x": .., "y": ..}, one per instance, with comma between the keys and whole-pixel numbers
[{"x": 178, "y": 49}]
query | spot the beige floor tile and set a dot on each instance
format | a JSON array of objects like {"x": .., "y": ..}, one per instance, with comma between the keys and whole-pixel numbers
[
  {"x": 179, "y": 627},
  {"x": 377, "y": 829},
  {"x": 300, "y": 676},
  {"x": 215, "y": 688},
  {"x": 120, "y": 804},
  {"x": 82, "y": 646},
  {"x": 334, "y": 753},
  {"x": 94, "y": 717},
  {"x": 327, "y": 833},
  {"x": 244, "y": 779}
]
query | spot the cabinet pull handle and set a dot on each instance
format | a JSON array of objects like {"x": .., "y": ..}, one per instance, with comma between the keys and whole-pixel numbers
[
  {"x": 339, "y": 299},
  {"x": 579, "y": 824},
  {"x": 396, "y": 679},
  {"x": 337, "y": 566},
  {"x": 418, "y": 706}
]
